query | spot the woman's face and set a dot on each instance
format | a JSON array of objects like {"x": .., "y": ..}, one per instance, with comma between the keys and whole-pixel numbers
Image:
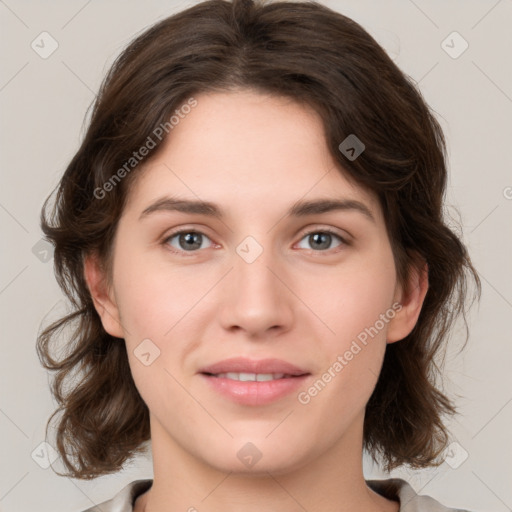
[{"x": 256, "y": 336}]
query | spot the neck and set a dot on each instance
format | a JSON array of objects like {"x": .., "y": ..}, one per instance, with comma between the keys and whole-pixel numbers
[{"x": 333, "y": 482}]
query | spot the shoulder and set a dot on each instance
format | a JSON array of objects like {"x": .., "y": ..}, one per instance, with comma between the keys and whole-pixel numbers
[
  {"x": 124, "y": 499},
  {"x": 394, "y": 488},
  {"x": 410, "y": 501}
]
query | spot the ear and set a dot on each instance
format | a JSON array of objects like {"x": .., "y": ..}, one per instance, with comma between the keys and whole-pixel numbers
[
  {"x": 102, "y": 296},
  {"x": 411, "y": 296}
]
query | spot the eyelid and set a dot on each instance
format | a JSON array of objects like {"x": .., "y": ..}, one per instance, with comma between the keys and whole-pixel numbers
[
  {"x": 345, "y": 242},
  {"x": 179, "y": 231},
  {"x": 316, "y": 229},
  {"x": 326, "y": 229}
]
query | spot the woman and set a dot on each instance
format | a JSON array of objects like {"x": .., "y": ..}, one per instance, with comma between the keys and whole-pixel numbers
[{"x": 251, "y": 234}]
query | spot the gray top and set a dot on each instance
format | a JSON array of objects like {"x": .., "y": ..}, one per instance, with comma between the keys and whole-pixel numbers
[{"x": 393, "y": 488}]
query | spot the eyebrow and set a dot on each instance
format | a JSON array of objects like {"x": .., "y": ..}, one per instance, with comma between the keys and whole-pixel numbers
[{"x": 298, "y": 209}]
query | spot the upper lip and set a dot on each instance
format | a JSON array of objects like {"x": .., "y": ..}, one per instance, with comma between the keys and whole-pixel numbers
[{"x": 244, "y": 365}]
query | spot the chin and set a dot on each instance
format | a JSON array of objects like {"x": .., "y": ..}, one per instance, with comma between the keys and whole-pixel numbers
[{"x": 255, "y": 456}]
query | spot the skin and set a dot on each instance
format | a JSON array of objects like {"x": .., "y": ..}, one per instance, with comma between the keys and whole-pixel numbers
[{"x": 254, "y": 155}]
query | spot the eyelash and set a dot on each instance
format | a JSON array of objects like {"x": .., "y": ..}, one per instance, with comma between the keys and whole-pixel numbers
[{"x": 173, "y": 234}]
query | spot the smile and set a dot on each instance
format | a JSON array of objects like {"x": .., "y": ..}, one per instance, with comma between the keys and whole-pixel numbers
[{"x": 256, "y": 377}]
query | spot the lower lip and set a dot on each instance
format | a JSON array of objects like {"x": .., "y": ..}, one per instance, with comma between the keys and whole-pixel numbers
[{"x": 254, "y": 392}]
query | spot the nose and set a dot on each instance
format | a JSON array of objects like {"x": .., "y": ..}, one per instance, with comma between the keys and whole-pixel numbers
[{"x": 255, "y": 297}]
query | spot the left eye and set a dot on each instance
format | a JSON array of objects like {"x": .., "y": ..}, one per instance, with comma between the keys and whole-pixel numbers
[{"x": 321, "y": 240}]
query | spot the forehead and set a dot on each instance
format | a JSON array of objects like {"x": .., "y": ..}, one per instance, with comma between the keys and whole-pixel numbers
[{"x": 244, "y": 150}]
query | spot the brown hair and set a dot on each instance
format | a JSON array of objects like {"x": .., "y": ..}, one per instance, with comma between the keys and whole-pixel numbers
[{"x": 315, "y": 56}]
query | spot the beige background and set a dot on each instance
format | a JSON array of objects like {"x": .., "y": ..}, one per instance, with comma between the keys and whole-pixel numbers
[{"x": 43, "y": 105}]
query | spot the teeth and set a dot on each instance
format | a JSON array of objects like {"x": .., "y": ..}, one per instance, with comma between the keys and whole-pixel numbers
[{"x": 256, "y": 377}]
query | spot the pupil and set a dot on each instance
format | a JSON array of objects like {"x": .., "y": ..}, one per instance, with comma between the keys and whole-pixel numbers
[
  {"x": 189, "y": 240},
  {"x": 193, "y": 240},
  {"x": 322, "y": 240}
]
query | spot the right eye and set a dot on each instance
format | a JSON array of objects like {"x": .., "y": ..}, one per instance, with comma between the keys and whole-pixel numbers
[{"x": 186, "y": 240}]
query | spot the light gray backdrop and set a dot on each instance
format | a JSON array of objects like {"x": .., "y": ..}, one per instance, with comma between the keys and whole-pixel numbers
[{"x": 55, "y": 54}]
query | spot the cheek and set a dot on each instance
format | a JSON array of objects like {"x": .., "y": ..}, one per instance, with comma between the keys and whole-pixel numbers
[
  {"x": 352, "y": 305},
  {"x": 152, "y": 297},
  {"x": 157, "y": 303},
  {"x": 353, "y": 297},
  {"x": 356, "y": 305}
]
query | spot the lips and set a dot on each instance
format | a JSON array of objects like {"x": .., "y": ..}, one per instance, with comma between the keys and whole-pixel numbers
[
  {"x": 253, "y": 382},
  {"x": 261, "y": 366}
]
